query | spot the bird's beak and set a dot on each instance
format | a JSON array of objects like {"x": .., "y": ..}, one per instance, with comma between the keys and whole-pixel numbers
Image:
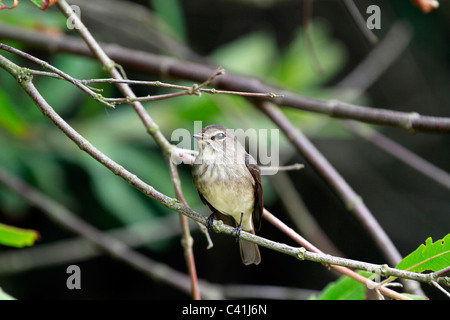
[{"x": 198, "y": 136}]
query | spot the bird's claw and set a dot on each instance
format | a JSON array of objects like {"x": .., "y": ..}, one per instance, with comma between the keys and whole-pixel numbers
[
  {"x": 237, "y": 230},
  {"x": 210, "y": 222}
]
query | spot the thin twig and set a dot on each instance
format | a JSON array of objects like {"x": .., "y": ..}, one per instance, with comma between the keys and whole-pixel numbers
[
  {"x": 187, "y": 240},
  {"x": 304, "y": 221},
  {"x": 306, "y": 28},
  {"x": 199, "y": 88},
  {"x": 193, "y": 90},
  {"x": 360, "y": 21},
  {"x": 58, "y": 72},
  {"x": 219, "y": 72}
]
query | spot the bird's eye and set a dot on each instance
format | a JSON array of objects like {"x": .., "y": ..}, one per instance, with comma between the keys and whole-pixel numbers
[{"x": 219, "y": 136}]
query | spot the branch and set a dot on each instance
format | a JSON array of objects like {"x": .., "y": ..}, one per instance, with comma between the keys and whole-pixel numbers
[
  {"x": 155, "y": 64},
  {"x": 299, "y": 214},
  {"x": 196, "y": 89},
  {"x": 57, "y": 73},
  {"x": 187, "y": 240}
]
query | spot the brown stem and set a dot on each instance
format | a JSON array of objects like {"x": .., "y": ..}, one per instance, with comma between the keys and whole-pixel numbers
[{"x": 186, "y": 234}]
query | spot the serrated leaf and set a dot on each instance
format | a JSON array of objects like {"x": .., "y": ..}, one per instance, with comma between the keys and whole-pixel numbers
[
  {"x": 17, "y": 237},
  {"x": 429, "y": 256}
]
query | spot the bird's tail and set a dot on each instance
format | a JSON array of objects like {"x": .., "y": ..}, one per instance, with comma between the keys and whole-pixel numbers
[{"x": 249, "y": 252}]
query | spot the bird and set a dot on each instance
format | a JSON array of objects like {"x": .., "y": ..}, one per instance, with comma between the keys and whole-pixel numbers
[{"x": 228, "y": 181}]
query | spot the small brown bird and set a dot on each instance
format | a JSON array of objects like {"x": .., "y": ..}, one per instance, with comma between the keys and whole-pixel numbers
[{"x": 228, "y": 180}]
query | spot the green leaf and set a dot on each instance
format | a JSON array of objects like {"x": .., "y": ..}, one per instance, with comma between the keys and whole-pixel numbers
[
  {"x": 17, "y": 237},
  {"x": 297, "y": 67},
  {"x": 250, "y": 54},
  {"x": 171, "y": 12},
  {"x": 28, "y": 17},
  {"x": 10, "y": 120},
  {"x": 37, "y": 3},
  {"x": 429, "y": 256},
  {"x": 5, "y": 296},
  {"x": 345, "y": 288},
  {"x": 63, "y": 95},
  {"x": 43, "y": 4}
]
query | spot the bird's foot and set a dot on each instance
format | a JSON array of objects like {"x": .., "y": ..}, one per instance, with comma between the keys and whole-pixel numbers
[
  {"x": 238, "y": 229},
  {"x": 210, "y": 221}
]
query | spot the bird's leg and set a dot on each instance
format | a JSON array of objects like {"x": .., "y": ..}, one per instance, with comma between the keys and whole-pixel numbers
[
  {"x": 238, "y": 229},
  {"x": 210, "y": 221}
]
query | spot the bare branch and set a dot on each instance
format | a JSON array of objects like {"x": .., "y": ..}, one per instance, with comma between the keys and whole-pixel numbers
[
  {"x": 56, "y": 71},
  {"x": 186, "y": 234}
]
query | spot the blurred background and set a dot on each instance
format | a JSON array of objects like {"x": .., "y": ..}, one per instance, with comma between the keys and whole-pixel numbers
[{"x": 312, "y": 48}]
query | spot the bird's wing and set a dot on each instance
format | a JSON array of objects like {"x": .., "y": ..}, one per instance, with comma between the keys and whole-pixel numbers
[{"x": 259, "y": 203}]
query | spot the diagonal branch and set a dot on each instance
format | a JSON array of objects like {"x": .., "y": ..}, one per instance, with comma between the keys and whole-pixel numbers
[
  {"x": 187, "y": 238},
  {"x": 56, "y": 72}
]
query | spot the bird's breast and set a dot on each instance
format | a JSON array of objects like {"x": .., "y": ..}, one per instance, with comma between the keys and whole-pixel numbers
[{"x": 229, "y": 189}]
